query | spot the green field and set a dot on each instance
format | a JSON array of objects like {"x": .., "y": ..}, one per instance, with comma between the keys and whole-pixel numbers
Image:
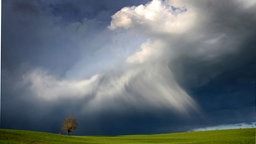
[{"x": 237, "y": 136}]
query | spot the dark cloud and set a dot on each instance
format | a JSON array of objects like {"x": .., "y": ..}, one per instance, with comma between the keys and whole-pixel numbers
[
  {"x": 28, "y": 39},
  {"x": 25, "y": 6},
  {"x": 90, "y": 9},
  {"x": 224, "y": 86}
]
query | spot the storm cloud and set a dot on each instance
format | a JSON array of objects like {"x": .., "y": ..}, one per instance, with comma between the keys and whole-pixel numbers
[{"x": 127, "y": 69}]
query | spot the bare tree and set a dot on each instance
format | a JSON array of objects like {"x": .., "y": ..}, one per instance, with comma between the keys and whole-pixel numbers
[{"x": 69, "y": 124}]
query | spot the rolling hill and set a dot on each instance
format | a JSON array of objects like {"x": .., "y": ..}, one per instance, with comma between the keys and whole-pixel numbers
[{"x": 235, "y": 136}]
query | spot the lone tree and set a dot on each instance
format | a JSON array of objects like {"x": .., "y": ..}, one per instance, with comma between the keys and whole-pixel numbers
[{"x": 69, "y": 124}]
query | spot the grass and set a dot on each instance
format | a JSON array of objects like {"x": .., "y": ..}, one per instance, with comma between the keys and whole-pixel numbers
[{"x": 237, "y": 136}]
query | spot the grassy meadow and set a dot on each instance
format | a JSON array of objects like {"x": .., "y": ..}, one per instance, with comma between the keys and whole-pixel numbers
[{"x": 236, "y": 136}]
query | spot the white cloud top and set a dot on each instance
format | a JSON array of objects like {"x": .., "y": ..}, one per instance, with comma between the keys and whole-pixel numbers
[{"x": 156, "y": 17}]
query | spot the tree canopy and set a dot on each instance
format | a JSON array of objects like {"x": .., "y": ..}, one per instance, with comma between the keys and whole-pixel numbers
[{"x": 69, "y": 124}]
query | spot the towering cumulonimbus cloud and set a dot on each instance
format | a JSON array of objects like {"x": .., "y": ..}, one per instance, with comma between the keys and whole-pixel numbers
[
  {"x": 156, "y": 81},
  {"x": 146, "y": 79}
]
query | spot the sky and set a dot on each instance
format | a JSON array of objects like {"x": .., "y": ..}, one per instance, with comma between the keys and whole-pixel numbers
[{"x": 128, "y": 66}]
